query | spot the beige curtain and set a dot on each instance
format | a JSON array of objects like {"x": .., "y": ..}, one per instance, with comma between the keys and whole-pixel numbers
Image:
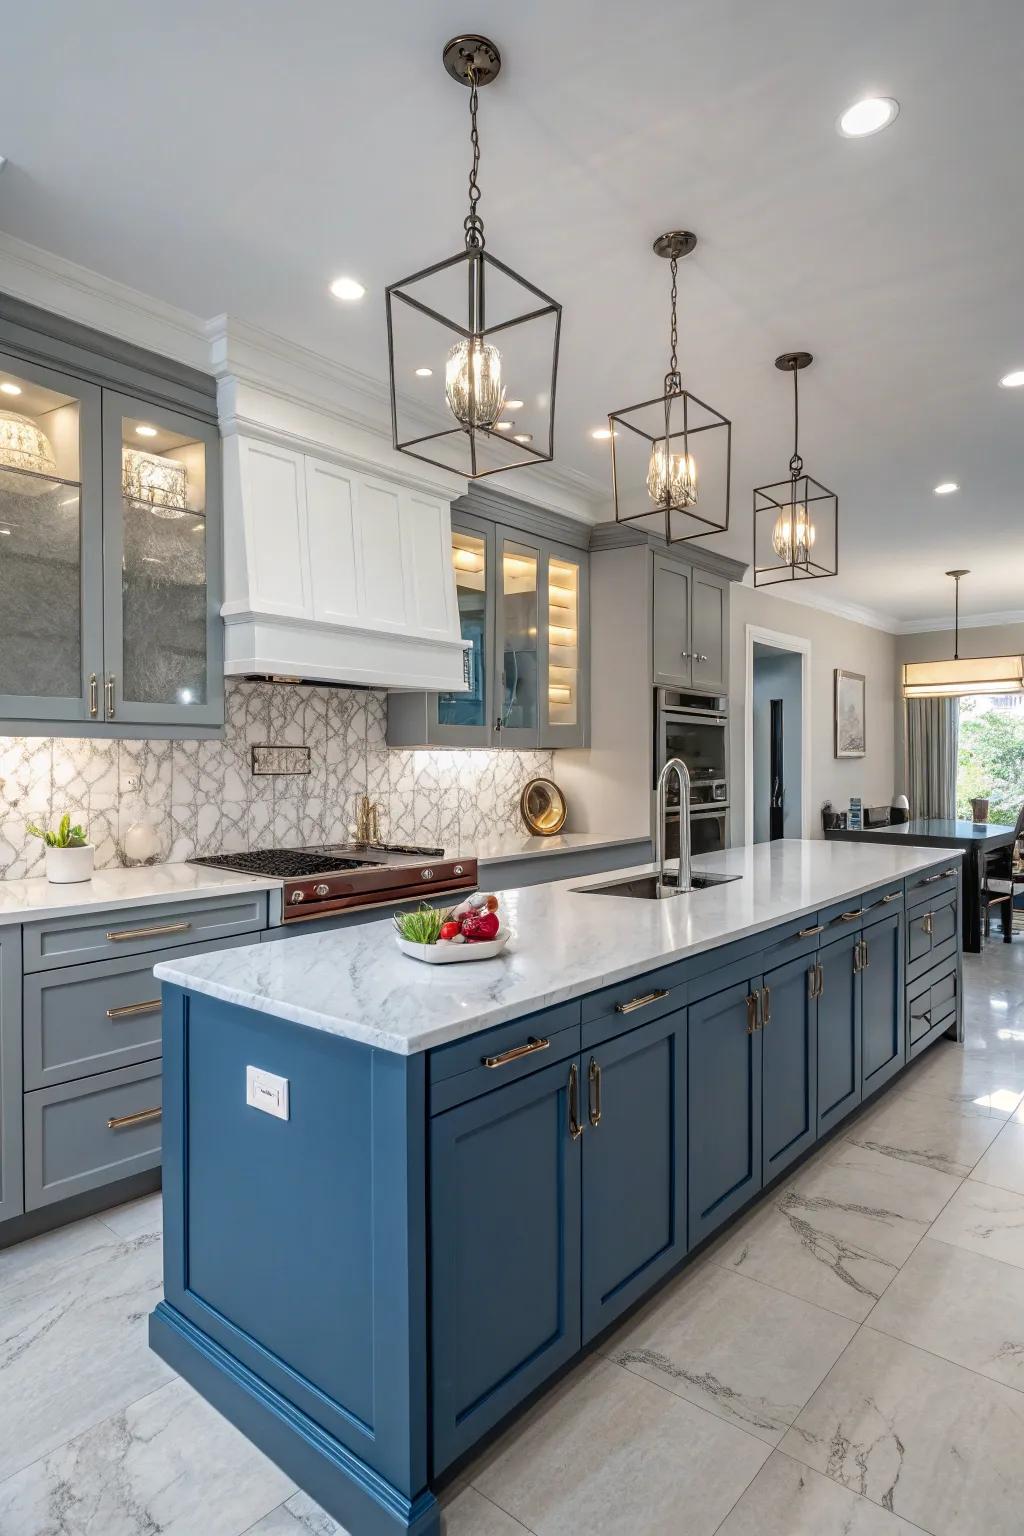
[{"x": 932, "y": 726}]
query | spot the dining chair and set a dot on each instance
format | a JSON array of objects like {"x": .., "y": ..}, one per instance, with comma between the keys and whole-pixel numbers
[{"x": 1003, "y": 867}]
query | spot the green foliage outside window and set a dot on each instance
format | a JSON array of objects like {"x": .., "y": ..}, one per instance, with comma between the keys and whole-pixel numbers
[{"x": 990, "y": 761}]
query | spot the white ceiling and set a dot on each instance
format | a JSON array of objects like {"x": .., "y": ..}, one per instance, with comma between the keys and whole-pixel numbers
[{"x": 230, "y": 158}]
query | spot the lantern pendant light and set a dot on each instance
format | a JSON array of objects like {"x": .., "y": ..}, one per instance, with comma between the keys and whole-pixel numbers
[
  {"x": 468, "y": 333},
  {"x": 796, "y": 521},
  {"x": 962, "y": 674},
  {"x": 672, "y": 456}
]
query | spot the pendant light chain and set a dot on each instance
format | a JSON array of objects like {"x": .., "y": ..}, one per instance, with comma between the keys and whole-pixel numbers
[
  {"x": 796, "y": 463},
  {"x": 673, "y": 379},
  {"x": 474, "y": 224}
]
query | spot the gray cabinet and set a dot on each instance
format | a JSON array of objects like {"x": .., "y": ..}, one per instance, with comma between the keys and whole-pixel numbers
[
  {"x": 672, "y": 662},
  {"x": 709, "y": 632},
  {"x": 10, "y": 1073},
  {"x": 110, "y": 540},
  {"x": 691, "y": 627},
  {"x": 524, "y": 607},
  {"x": 95, "y": 1131}
]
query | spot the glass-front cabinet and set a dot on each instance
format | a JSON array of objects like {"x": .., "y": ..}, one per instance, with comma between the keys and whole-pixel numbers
[
  {"x": 162, "y": 630},
  {"x": 523, "y": 608},
  {"x": 109, "y": 558},
  {"x": 51, "y": 641}
]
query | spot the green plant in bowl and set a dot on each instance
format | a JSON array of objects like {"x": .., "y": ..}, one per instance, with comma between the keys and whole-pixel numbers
[
  {"x": 66, "y": 836},
  {"x": 422, "y": 926}
]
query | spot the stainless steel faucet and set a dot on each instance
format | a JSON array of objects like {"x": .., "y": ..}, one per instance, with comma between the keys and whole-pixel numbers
[{"x": 683, "y": 880}]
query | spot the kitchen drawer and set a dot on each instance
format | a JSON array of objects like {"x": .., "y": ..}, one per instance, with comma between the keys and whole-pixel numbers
[
  {"x": 83, "y": 1019},
  {"x": 928, "y": 887},
  {"x": 882, "y": 903},
  {"x": 932, "y": 933},
  {"x": 843, "y": 917},
  {"x": 137, "y": 930},
  {"x": 791, "y": 940},
  {"x": 621, "y": 1007},
  {"x": 459, "y": 1071},
  {"x": 932, "y": 1004},
  {"x": 70, "y": 1145}
]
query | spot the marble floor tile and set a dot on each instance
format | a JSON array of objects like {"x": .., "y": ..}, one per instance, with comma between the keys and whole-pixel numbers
[
  {"x": 918, "y": 1128},
  {"x": 73, "y": 1345},
  {"x": 138, "y": 1218},
  {"x": 65, "y": 1245},
  {"x": 926, "y": 1439},
  {"x": 1003, "y": 1163},
  {"x": 167, "y": 1463},
  {"x": 985, "y": 1220},
  {"x": 610, "y": 1454},
  {"x": 788, "y": 1499},
  {"x": 470, "y": 1514},
  {"x": 748, "y": 1353},
  {"x": 961, "y": 1305},
  {"x": 981, "y": 1082},
  {"x": 838, "y": 1234}
]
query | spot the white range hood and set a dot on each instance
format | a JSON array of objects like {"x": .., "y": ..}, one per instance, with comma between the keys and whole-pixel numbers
[{"x": 335, "y": 573}]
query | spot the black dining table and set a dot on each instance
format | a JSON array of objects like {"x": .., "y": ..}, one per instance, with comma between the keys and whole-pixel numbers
[{"x": 975, "y": 838}]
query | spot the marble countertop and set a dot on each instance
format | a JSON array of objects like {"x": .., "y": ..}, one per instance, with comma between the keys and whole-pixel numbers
[
  {"x": 356, "y": 983},
  {"x": 523, "y": 845},
  {"x": 26, "y": 901}
]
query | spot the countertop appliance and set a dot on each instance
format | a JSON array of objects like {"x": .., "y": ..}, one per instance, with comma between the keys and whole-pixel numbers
[{"x": 342, "y": 876}]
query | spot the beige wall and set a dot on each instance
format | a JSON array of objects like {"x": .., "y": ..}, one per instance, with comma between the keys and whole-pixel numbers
[
  {"x": 935, "y": 645},
  {"x": 835, "y": 643}
]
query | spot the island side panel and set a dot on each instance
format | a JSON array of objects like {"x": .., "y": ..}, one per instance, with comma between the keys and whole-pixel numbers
[{"x": 296, "y": 1247}]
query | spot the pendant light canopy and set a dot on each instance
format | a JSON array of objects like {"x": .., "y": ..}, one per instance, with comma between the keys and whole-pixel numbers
[
  {"x": 472, "y": 346},
  {"x": 796, "y": 521},
  {"x": 962, "y": 674},
  {"x": 672, "y": 456}
]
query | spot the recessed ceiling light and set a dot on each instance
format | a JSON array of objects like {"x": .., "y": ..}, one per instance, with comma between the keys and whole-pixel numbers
[
  {"x": 1012, "y": 380},
  {"x": 601, "y": 434},
  {"x": 946, "y": 488},
  {"x": 424, "y": 373},
  {"x": 522, "y": 437},
  {"x": 348, "y": 289},
  {"x": 146, "y": 431},
  {"x": 868, "y": 116},
  {"x": 9, "y": 388},
  {"x": 513, "y": 405},
  {"x": 503, "y": 426}
]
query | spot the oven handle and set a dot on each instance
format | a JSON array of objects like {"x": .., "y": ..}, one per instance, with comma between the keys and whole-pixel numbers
[
  {"x": 699, "y": 812},
  {"x": 699, "y": 716}
]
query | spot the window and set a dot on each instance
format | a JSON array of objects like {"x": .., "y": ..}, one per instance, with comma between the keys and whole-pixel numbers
[{"x": 990, "y": 755}]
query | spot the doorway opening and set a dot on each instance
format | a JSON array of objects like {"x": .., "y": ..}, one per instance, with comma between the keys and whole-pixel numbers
[{"x": 777, "y": 777}]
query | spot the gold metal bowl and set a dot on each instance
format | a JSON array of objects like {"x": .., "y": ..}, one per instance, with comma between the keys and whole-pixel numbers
[{"x": 543, "y": 807}]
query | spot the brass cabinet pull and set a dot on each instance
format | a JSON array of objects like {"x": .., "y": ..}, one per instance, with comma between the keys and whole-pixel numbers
[
  {"x": 928, "y": 923},
  {"x": 812, "y": 980},
  {"x": 753, "y": 1012},
  {"x": 94, "y": 696},
  {"x": 821, "y": 979},
  {"x": 864, "y": 960},
  {"x": 848, "y": 917},
  {"x": 642, "y": 1002},
  {"x": 129, "y": 1010},
  {"x": 808, "y": 933},
  {"x": 766, "y": 1006},
  {"x": 948, "y": 873},
  {"x": 109, "y": 686},
  {"x": 517, "y": 1052},
  {"x": 930, "y": 879},
  {"x": 575, "y": 1127},
  {"x": 859, "y": 961},
  {"x": 594, "y": 1092},
  {"x": 121, "y": 1122},
  {"x": 892, "y": 896},
  {"x": 119, "y": 935}
]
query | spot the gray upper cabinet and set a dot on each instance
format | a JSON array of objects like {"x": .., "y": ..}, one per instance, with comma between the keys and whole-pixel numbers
[
  {"x": 524, "y": 607},
  {"x": 110, "y": 536},
  {"x": 691, "y": 627}
]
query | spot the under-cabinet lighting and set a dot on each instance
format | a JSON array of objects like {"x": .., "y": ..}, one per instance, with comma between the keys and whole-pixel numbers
[
  {"x": 146, "y": 431},
  {"x": 556, "y": 632},
  {"x": 558, "y": 693},
  {"x": 467, "y": 560}
]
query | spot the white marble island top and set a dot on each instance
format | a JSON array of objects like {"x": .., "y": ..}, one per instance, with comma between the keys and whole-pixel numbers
[{"x": 356, "y": 983}]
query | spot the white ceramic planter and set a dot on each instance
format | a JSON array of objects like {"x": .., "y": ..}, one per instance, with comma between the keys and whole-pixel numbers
[{"x": 65, "y": 866}]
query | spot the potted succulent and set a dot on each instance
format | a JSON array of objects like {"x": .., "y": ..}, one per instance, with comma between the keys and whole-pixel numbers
[{"x": 69, "y": 857}]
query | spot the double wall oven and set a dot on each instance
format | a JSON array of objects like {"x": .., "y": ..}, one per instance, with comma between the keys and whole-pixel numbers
[{"x": 695, "y": 727}]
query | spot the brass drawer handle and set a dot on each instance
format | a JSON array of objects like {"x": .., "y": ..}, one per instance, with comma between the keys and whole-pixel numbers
[
  {"x": 892, "y": 896},
  {"x": 120, "y": 934},
  {"x": 642, "y": 1002},
  {"x": 594, "y": 1092},
  {"x": 948, "y": 873},
  {"x": 808, "y": 933},
  {"x": 94, "y": 697},
  {"x": 129, "y": 1010},
  {"x": 140, "y": 1117},
  {"x": 766, "y": 1006},
  {"x": 517, "y": 1052},
  {"x": 848, "y": 917},
  {"x": 575, "y": 1127},
  {"x": 930, "y": 879}
]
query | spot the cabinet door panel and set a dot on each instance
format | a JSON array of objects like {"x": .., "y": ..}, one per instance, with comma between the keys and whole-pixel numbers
[
  {"x": 564, "y": 649},
  {"x": 11, "y": 1203},
  {"x": 789, "y": 1058},
  {"x": 839, "y": 1034},
  {"x": 505, "y": 1246},
  {"x": 634, "y": 1168},
  {"x": 882, "y": 1033},
  {"x": 919, "y": 939},
  {"x": 330, "y": 511},
  {"x": 517, "y": 624},
  {"x": 710, "y": 631},
  {"x": 672, "y": 667},
  {"x": 724, "y": 1115}
]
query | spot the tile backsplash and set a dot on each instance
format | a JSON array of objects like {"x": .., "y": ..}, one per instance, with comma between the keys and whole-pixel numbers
[{"x": 201, "y": 796}]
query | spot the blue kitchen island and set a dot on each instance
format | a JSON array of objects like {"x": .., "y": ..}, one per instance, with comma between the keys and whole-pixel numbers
[{"x": 399, "y": 1199}]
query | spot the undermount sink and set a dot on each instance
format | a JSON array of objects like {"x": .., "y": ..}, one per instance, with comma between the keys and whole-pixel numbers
[{"x": 649, "y": 888}]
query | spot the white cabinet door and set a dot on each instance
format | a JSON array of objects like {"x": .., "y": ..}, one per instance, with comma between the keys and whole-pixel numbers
[
  {"x": 429, "y": 573},
  {"x": 276, "y": 538},
  {"x": 331, "y": 500},
  {"x": 380, "y": 554}
]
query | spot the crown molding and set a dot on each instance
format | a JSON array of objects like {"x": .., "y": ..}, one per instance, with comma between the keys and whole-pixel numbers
[
  {"x": 968, "y": 621},
  {"x": 856, "y": 613}
]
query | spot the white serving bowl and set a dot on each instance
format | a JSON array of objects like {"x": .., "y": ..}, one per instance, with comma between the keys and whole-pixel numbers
[{"x": 447, "y": 954}]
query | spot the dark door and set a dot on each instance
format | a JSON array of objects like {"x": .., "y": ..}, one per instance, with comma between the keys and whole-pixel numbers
[
  {"x": 505, "y": 1252},
  {"x": 776, "y": 811},
  {"x": 634, "y": 1166},
  {"x": 789, "y": 1062},
  {"x": 839, "y": 1035},
  {"x": 882, "y": 1032},
  {"x": 724, "y": 1096}
]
